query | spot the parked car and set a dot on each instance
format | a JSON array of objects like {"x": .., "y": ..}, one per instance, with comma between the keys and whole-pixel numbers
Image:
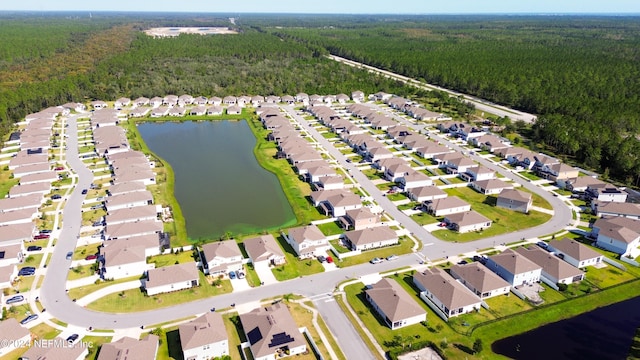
[
  {"x": 392, "y": 257},
  {"x": 41, "y": 236},
  {"x": 543, "y": 245},
  {"x": 72, "y": 339},
  {"x": 375, "y": 260},
  {"x": 34, "y": 248},
  {"x": 322, "y": 258},
  {"x": 69, "y": 255},
  {"x": 29, "y": 319},
  {"x": 15, "y": 299},
  {"x": 98, "y": 223},
  {"x": 59, "y": 168},
  {"x": 97, "y": 207},
  {"x": 45, "y": 231},
  {"x": 27, "y": 271},
  {"x": 240, "y": 274},
  {"x": 477, "y": 258},
  {"x": 91, "y": 257},
  {"x": 329, "y": 259},
  {"x": 84, "y": 191},
  {"x": 232, "y": 274},
  {"x": 56, "y": 197},
  {"x": 462, "y": 262}
]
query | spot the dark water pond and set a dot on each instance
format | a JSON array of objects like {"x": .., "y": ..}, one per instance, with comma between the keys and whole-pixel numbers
[
  {"x": 219, "y": 184},
  {"x": 604, "y": 333}
]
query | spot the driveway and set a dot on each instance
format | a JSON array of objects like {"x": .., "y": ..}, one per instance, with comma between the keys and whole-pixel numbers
[{"x": 264, "y": 272}]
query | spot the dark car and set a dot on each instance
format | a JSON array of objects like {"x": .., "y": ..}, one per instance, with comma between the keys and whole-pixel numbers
[
  {"x": 27, "y": 271},
  {"x": 322, "y": 258},
  {"x": 462, "y": 262},
  {"x": 29, "y": 319},
  {"x": 56, "y": 197},
  {"x": 45, "y": 231},
  {"x": 34, "y": 248},
  {"x": 543, "y": 245},
  {"x": 69, "y": 255},
  {"x": 73, "y": 338},
  {"x": 84, "y": 191},
  {"x": 15, "y": 299}
]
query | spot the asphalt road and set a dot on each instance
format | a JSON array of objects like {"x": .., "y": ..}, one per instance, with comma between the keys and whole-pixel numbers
[{"x": 480, "y": 104}]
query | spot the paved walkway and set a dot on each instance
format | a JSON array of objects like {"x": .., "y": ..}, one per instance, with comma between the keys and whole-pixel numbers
[{"x": 542, "y": 210}]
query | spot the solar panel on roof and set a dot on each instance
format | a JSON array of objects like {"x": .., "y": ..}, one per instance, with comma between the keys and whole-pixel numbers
[
  {"x": 280, "y": 339},
  {"x": 254, "y": 335}
]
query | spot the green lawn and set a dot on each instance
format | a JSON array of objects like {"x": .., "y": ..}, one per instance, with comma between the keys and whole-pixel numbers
[
  {"x": 529, "y": 175},
  {"x": 82, "y": 291},
  {"x": 404, "y": 247},
  {"x": 397, "y": 197},
  {"x": 423, "y": 218},
  {"x": 331, "y": 228},
  {"x": 294, "y": 268},
  {"x": 79, "y": 272},
  {"x": 504, "y": 220},
  {"x": 81, "y": 252},
  {"x": 135, "y": 300},
  {"x": 251, "y": 275},
  {"x": 171, "y": 259}
]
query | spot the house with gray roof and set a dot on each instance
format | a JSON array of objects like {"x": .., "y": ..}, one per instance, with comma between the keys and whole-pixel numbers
[
  {"x": 618, "y": 234},
  {"x": 122, "y": 262},
  {"x": 16, "y": 233},
  {"x": 128, "y": 200},
  {"x": 8, "y": 274},
  {"x": 515, "y": 200},
  {"x": 204, "y": 338},
  {"x": 426, "y": 193},
  {"x": 394, "y": 305},
  {"x": 133, "y": 214},
  {"x": 171, "y": 278},
  {"x": 554, "y": 269},
  {"x": 14, "y": 335},
  {"x": 446, "y": 296},
  {"x": 446, "y": 206},
  {"x": 609, "y": 209},
  {"x": 144, "y": 349},
  {"x": 264, "y": 248},
  {"x": 467, "y": 221},
  {"x": 575, "y": 253},
  {"x": 516, "y": 269},
  {"x": 359, "y": 219},
  {"x": 370, "y": 238},
  {"x": 221, "y": 257},
  {"x": 130, "y": 229},
  {"x": 307, "y": 241},
  {"x": 480, "y": 280},
  {"x": 490, "y": 186}
]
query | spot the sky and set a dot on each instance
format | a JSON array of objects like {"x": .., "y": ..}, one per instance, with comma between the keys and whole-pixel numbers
[{"x": 334, "y": 6}]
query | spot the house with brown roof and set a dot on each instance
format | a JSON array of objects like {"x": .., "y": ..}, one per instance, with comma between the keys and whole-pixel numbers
[
  {"x": 467, "y": 221},
  {"x": 61, "y": 352},
  {"x": 516, "y": 269},
  {"x": 415, "y": 179},
  {"x": 394, "y": 305},
  {"x": 130, "y": 229},
  {"x": 221, "y": 257},
  {"x": 40, "y": 188},
  {"x": 329, "y": 183},
  {"x": 133, "y": 214},
  {"x": 606, "y": 192},
  {"x": 30, "y": 169},
  {"x": 14, "y": 336},
  {"x": 151, "y": 244},
  {"x": 17, "y": 217},
  {"x": 480, "y": 280},
  {"x": 426, "y": 193},
  {"x": 307, "y": 241},
  {"x": 204, "y": 338},
  {"x": 16, "y": 233},
  {"x": 125, "y": 187},
  {"x": 171, "y": 278},
  {"x": 272, "y": 333},
  {"x": 128, "y": 200},
  {"x": 477, "y": 173},
  {"x": 446, "y": 296},
  {"x": 446, "y": 206},
  {"x": 264, "y": 248},
  {"x": 370, "y": 238},
  {"x": 491, "y": 186},
  {"x": 359, "y": 219},
  {"x": 128, "y": 348},
  {"x": 554, "y": 270},
  {"x": 338, "y": 204},
  {"x": 11, "y": 254},
  {"x": 618, "y": 234},
  {"x": 396, "y": 172},
  {"x": 609, "y": 209},
  {"x": 515, "y": 200},
  {"x": 121, "y": 262},
  {"x": 8, "y": 274},
  {"x": 575, "y": 253}
]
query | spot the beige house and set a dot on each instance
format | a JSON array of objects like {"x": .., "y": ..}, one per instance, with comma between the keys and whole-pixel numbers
[
  {"x": 396, "y": 308},
  {"x": 467, "y": 221},
  {"x": 307, "y": 241},
  {"x": 480, "y": 280},
  {"x": 221, "y": 257},
  {"x": 264, "y": 248},
  {"x": 554, "y": 269},
  {"x": 13, "y": 335},
  {"x": 171, "y": 278},
  {"x": 359, "y": 219},
  {"x": 370, "y": 238},
  {"x": 515, "y": 200},
  {"x": 575, "y": 253},
  {"x": 446, "y": 206},
  {"x": 446, "y": 296}
]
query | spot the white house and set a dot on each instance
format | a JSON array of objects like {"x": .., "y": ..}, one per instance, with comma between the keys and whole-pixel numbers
[
  {"x": 392, "y": 303},
  {"x": 171, "y": 278},
  {"x": 618, "y": 234},
  {"x": 204, "y": 338},
  {"x": 514, "y": 268},
  {"x": 575, "y": 253},
  {"x": 444, "y": 294},
  {"x": 447, "y": 206},
  {"x": 480, "y": 280},
  {"x": 221, "y": 257},
  {"x": 307, "y": 241},
  {"x": 555, "y": 270},
  {"x": 370, "y": 238},
  {"x": 467, "y": 221}
]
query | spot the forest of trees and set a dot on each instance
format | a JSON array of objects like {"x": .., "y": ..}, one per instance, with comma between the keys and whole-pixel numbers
[{"x": 581, "y": 75}]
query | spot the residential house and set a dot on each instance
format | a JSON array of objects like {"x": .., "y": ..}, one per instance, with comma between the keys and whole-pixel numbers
[
  {"x": 17, "y": 217},
  {"x": 8, "y": 274},
  {"x": 575, "y": 253},
  {"x": 370, "y": 238},
  {"x": 128, "y": 200},
  {"x": 515, "y": 200},
  {"x": 45, "y": 176},
  {"x": 480, "y": 280},
  {"x": 491, "y": 186},
  {"x": 617, "y": 234},
  {"x": 602, "y": 209},
  {"x": 606, "y": 193},
  {"x": 477, "y": 173},
  {"x": 579, "y": 184},
  {"x": 221, "y": 257},
  {"x": 307, "y": 241},
  {"x": 397, "y": 171},
  {"x": 554, "y": 270},
  {"x": 359, "y": 219},
  {"x": 11, "y": 254},
  {"x": 272, "y": 333},
  {"x": 234, "y": 110},
  {"x": 338, "y": 204},
  {"x": 330, "y": 183},
  {"x": 144, "y": 349},
  {"x": 171, "y": 278},
  {"x": 444, "y": 294},
  {"x": 394, "y": 305},
  {"x": 133, "y": 214},
  {"x": 467, "y": 221},
  {"x": 130, "y": 229},
  {"x": 40, "y": 188},
  {"x": 125, "y": 187},
  {"x": 14, "y": 336},
  {"x": 459, "y": 165},
  {"x": 204, "y": 338},
  {"x": 426, "y": 193},
  {"x": 357, "y": 96},
  {"x": 490, "y": 142},
  {"x": 415, "y": 179},
  {"x": 264, "y": 248},
  {"x": 15, "y": 234},
  {"x": 52, "y": 352},
  {"x": 516, "y": 269},
  {"x": 446, "y": 206},
  {"x": 151, "y": 245},
  {"x": 122, "y": 262},
  {"x": 560, "y": 171}
]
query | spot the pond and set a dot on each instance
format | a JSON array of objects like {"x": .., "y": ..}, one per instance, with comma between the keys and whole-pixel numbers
[
  {"x": 219, "y": 184},
  {"x": 604, "y": 333}
]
